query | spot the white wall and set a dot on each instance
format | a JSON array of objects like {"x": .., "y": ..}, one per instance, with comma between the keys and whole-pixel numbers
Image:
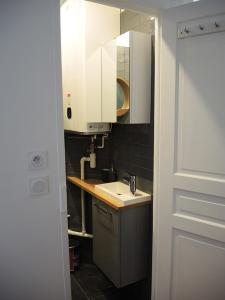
[{"x": 31, "y": 251}]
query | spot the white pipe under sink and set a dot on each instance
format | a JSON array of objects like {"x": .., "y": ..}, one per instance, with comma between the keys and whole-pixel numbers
[
  {"x": 78, "y": 233},
  {"x": 92, "y": 160}
]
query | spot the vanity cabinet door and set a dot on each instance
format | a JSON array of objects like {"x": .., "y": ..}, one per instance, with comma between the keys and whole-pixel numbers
[
  {"x": 121, "y": 242},
  {"x": 106, "y": 241}
]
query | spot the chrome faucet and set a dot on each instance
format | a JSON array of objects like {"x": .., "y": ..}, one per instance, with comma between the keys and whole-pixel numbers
[{"x": 131, "y": 180}]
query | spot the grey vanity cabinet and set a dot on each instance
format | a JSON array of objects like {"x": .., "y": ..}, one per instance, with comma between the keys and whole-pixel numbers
[{"x": 121, "y": 242}]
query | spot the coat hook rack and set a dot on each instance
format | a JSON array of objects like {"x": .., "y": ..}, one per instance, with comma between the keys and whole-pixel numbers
[{"x": 203, "y": 26}]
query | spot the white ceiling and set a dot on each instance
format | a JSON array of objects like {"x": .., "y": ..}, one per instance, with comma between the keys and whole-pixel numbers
[{"x": 144, "y": 5}]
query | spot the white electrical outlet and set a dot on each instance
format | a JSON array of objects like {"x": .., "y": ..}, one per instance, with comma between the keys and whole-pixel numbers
[
  {"x": 37, "y": 160},
  {"x": 39, "y": 185}
]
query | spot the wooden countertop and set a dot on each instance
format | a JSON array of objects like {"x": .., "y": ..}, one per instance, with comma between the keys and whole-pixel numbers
[{"x": 89, "y": 187}]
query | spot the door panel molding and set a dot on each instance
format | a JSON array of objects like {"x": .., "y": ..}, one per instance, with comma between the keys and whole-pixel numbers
[
  {"x": 201, "y": 206},
  {"x": 199, "y": 109},
  {"x": 192, "y": 257},
  {"x": 199, "y": 184}
]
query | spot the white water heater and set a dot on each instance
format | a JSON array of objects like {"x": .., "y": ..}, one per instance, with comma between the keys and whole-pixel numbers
[{"x": 88, "y": 33}]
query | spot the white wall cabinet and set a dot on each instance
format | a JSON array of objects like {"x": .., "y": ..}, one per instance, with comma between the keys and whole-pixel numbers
[
  {"x": 89, "y": 65},
  {"x": 134, "y": 67}
]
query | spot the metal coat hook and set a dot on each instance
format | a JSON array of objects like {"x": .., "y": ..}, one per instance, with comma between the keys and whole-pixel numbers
[{"x": 186, "y": 30}]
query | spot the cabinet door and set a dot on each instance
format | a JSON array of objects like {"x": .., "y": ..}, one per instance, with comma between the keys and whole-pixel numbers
[
  {"x": 109, "y": 82},
  {"x": 140, "y": 77},
  {"x": 134, "y": 68},
  {"x": 106, "y": 241}
]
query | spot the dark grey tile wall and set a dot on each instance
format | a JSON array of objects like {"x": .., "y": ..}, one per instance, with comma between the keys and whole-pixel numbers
[
  {"x": 77, "y": 146},
  {"x": 129, "y": 148},
  {"x": 133, "y": 152}
]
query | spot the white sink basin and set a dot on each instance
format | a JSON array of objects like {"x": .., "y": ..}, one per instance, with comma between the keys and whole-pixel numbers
[{"x": 121, "y": 192}]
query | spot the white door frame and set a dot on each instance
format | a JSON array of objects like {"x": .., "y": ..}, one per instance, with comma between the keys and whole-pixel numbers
[
  {"x": 153, "y": 8},
  {"x": 158, "y": 131}
]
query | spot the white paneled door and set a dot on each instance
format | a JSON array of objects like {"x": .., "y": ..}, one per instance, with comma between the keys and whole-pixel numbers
[{"x": 189, "y": 229}]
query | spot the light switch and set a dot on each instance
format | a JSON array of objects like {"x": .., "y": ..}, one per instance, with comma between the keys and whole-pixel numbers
[
  {"x": 37, "y": 160},
  {"x": 39, "y": 185}
]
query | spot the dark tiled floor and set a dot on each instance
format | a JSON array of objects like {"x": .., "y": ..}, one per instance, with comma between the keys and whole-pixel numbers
[
  {"x": 77, "y": 292},
  {"x": 90, "y": 283}
]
